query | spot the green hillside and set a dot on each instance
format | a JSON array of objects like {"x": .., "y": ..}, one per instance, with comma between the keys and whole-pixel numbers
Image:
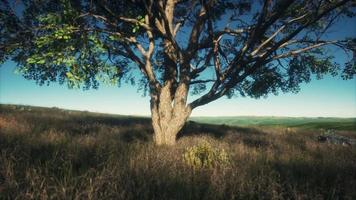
[{"x": 298, "y": 122}]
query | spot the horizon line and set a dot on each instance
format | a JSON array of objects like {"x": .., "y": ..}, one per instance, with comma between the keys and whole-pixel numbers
[{"x": 137, "y": 115}]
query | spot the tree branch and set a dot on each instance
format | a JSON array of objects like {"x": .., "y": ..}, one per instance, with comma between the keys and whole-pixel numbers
[
  {"x": 197, "y": 29},
  {"x": 202, "y": 81},
  {"x": 296, "y": 52}
]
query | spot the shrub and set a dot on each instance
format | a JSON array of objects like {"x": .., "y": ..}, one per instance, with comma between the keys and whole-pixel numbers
[{"x": 205, "y": 156}]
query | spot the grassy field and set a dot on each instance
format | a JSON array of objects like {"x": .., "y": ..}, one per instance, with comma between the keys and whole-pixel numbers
[
  {"x": 296, "y": 122},
  {"x": 60, "y": 154}
]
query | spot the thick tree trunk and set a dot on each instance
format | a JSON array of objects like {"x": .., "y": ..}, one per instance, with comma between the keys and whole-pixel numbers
[
  {"x": 166, "y": 134},
  {"x": 169, "y": 114}
]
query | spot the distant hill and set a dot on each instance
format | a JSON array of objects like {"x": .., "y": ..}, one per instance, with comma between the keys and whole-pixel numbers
[
  {"x": 297, "y": 122},
  {"x": 301, "y": 122}
]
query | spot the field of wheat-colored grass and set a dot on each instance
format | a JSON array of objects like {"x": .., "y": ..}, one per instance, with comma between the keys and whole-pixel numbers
[{"x": 61, "y": 154}]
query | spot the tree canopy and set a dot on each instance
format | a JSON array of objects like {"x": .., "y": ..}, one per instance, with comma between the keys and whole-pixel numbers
[{"x": 211, "y": 47}]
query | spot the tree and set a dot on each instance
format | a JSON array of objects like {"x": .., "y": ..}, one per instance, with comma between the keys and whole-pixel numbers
[{"x": 211, "y": 47}]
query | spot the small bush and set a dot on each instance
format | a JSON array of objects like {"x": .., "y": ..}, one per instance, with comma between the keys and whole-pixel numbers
[{"x": 205, "y": 156}]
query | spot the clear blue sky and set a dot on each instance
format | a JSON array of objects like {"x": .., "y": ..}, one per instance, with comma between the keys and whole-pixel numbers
[{"x": 329, "y": 97}]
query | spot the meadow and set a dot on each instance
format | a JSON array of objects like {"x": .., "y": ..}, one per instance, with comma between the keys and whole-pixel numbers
[{"x": 50, "y": 153}]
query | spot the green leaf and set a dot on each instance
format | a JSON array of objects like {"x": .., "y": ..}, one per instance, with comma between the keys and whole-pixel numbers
[
  {"x": 30, "y": 60},
  {"x": 69, "y": 75},
  {"x": 41, "y": 61}
]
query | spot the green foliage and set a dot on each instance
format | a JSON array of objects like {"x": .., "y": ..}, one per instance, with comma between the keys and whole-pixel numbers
[
  {"x": 61, "y": 49},
  {"x": 82, "y": 43},
  {"x": 204, "y": 156},
  {"x": 136, "y": 27}
]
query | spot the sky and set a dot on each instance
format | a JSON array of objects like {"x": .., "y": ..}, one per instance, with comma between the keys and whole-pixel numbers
[{"x": 329, "y": 97}]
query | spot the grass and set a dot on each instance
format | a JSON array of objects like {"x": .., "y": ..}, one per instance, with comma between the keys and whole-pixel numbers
[
  {"x": 59, "y": 154},
  {"x": 297, "y": 122}
]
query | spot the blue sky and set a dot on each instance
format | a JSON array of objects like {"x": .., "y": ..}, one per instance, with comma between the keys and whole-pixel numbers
[{"x": 329, "y": 97}]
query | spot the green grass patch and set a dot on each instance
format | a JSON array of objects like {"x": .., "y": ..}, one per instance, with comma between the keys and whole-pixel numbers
[{"x": 348, "y": 124}]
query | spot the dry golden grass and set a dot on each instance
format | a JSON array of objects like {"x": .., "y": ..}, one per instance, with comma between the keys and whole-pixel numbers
[{"x": 53, "y": 154}]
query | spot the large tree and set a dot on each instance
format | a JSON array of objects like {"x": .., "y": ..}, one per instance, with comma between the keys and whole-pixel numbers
[{"x": 211, "y": 47}]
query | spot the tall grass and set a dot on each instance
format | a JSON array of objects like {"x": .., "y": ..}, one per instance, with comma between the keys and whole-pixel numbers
[{"x": 57, "y": 154}]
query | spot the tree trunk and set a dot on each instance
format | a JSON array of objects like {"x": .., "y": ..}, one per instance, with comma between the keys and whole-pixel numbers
[
  {"x": 169, "y": 114},
  {"x": 166, "y": 135}
]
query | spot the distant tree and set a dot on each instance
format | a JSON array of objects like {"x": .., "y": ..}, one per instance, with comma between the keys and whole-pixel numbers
[{"x": 215, "y": 47}]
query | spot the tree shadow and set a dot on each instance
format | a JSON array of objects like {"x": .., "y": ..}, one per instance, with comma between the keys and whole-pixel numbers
[{"x": 217, "y": 131}]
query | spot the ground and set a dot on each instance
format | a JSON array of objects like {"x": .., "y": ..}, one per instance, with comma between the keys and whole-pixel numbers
[{"x": 50, "y": 153}]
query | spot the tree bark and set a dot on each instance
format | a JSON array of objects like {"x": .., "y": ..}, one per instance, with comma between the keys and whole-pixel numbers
[{"x": 169, "y": 114}]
